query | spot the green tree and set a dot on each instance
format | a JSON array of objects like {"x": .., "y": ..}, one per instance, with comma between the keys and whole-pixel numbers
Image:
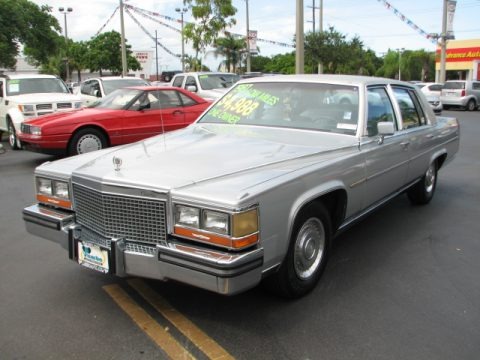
[
  {"x": 259, "y": 63},
  {"x": 211, "y": 17},
  {"x": 24, "y": 23},
  {"x": 282, "y": 64},
  {"x": 104, "y": 53},
  {"x": 231, "y": 48}
]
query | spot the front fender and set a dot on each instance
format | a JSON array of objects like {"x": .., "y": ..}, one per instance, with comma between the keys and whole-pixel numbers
[{"x": 16, "y": 116}]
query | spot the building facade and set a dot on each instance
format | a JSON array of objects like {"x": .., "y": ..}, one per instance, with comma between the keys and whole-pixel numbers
[{"x": 462, "y": 60}]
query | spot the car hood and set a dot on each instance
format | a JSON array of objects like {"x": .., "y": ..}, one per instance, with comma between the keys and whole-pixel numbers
[
  {"x": 202, "y": 155},
  {"x": 40, "y": 98},
  {"x": 212, "y": 94},
  {"x": 71, "y": 117}
]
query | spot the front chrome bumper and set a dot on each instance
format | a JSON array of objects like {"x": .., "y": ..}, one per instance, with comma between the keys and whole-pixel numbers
[{"x": 218, "y": 271}]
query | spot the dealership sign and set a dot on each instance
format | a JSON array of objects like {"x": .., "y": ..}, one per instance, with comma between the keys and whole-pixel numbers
[{"x": 461, "y": 54}]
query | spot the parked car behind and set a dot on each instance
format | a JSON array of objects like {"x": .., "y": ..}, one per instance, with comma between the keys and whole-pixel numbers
[
  {"x": 124, "y": 116},
  {"x": 25, "y": 96},
  {"x": 166, "y": 76},
  {"x": 255, "y": 190},
  {"x": 461, "y": 93},
  {"x": 93, "y": 89},
  {"x": 430, "y": 88},
  {"x": 209, "y": 85}
]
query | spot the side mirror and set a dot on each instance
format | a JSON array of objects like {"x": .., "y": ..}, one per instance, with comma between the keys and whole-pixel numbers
[
  {"x": 192, "y": 88},
  {"x": 437, "y": 111},
  {"x": 97, "y": 93},
  {"x": 385, "y": 128}
]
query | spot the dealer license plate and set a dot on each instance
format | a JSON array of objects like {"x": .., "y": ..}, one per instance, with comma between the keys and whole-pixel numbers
[{"x": 93, "y": 256}]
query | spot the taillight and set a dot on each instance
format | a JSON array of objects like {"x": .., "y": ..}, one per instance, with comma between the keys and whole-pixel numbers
[{"x": 463, "y": 92}]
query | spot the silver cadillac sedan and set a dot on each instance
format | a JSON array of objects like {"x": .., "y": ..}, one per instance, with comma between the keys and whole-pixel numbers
[{"x": 255, "y": 190}]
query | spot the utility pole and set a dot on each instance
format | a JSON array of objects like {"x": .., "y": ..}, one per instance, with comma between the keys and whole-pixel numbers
[
  {"x": 249, "y": 66},
  {"x": 124, "y": 49},
  {"x": 156, "y": 52},
  {"x": 443, "y": 44},
  {"x": 320, "y": 27},
  {"x": 299, "y": 39}
]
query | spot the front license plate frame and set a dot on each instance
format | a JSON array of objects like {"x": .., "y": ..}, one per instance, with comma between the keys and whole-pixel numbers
[{"x": 93, "y": 256}]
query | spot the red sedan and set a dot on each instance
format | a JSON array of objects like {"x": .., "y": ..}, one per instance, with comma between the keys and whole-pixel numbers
[{"x": 126, "y": 115}]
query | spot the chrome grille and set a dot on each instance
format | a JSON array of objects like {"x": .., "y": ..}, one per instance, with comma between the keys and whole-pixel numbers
[
  {"x": 25, "y": 128},
  {"x": 64, "y": 105},
  {"x": 119, "y": 216},
  {"x": 44, "y": 106}
]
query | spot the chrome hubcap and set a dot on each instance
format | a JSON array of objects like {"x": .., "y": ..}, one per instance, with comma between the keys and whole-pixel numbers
[
  {"x": 309, "y": 248},
  {"x": 88, "y": 143},
  {"x": 430, "y": 178}
]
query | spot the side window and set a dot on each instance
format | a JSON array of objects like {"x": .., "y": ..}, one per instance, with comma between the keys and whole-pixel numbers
[
  {"x": 85, "y": 88},
  {"x": 379, "y": 109},
  {"x": 1, "y": 89},
  {"x": 412, "y": 113},
  {"x": 187, "y": 101},
  {"x": 95, "y": 89},
  {"x": 190, "y": 82},
  {"x": 178, "y": 81},
  {"x": 436, "y": 87},
  {"x": 168, "y": 99},
  {"x": 476, "y": 85}
]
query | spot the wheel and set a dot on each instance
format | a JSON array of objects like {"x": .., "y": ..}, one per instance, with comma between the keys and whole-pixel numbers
[
  {"x": 13, "y": 140},
  {"x": 307, "y": 254},
  {"x": 422, "y": 192},
  {"x": 86, "y": 140},
  {"x": 471, "y": 106}
]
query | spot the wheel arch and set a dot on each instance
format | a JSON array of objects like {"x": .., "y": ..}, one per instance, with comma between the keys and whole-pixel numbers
[
  {"x": 332, "y": 195},
  {"x": 89, "y": 126}
]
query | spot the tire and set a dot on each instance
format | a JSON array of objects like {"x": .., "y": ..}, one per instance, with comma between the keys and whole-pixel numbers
[
  {"x": 307, "y": 254},
  {"x": 471, "y": 105},
  {"x": 86, "y": 140},
  {"x": 422, "y": 192},
  {"x": 13, "y": 140}
]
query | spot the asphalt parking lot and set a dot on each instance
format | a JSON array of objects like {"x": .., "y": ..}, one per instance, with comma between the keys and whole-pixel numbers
[{"x": 402, "y": 284}]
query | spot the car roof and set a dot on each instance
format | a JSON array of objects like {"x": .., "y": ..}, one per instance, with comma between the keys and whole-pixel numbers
[
  {"x": 107, "y": 78},
  {"x": 354, "y": 80},
  {"x": 30, "y": 76}
]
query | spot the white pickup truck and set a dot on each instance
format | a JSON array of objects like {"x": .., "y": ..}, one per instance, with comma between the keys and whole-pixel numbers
[
  {"x": 208, "y": 85},
  {"x": 24, "y": 96}
]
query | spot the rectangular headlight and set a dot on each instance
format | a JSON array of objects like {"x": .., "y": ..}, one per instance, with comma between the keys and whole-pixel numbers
[
  {"x": 26, "y": 108},
  {"x": 60, "y": 190},
  {"x": 35, "y": 130},
  {"x": 44, "y": 186},
  {"x": 77, "y": 105},
  {"x": 216, "y": 222},
  {"x": 187, "y": 216}
]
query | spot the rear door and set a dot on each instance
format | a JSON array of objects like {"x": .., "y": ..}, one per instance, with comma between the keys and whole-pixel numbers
[
  {"x": 386, "y": 159},
  {"x": 416, "y": 130}
]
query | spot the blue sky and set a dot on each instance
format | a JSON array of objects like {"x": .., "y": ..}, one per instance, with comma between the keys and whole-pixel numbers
[{"x": 379, "y": 28}]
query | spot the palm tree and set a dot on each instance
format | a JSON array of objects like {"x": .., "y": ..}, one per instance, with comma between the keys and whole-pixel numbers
[{"x": 231, "y": 48}]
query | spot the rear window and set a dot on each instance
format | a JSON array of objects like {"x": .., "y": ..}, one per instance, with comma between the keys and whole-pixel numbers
[{"x": 454, "y": 85}]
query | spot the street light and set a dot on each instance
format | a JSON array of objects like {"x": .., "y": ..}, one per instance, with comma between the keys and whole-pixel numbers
[
  {"x": 65, "y": 12},
  {"x": 400, "y": 50},
  {"x": 182, "y": 11}
]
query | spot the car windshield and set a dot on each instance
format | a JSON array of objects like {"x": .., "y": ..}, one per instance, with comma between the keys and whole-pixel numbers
[
  {"x": 111, "y": 85},
  {"x": 118, "y": 99},
  {"x": 217, "y": 81},
  {"x": 455, "y": 85},
  {"x": 35, "y": 86},
  {"x": 321, "y": 107}
]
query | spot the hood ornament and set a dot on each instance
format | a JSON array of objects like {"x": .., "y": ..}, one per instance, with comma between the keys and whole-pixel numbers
[{"x": 117, "y": 163}]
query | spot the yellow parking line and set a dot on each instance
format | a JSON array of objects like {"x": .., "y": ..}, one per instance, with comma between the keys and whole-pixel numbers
[
  {"x": 145, "y": 322},
  {"x": 205, "y": 343}
]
